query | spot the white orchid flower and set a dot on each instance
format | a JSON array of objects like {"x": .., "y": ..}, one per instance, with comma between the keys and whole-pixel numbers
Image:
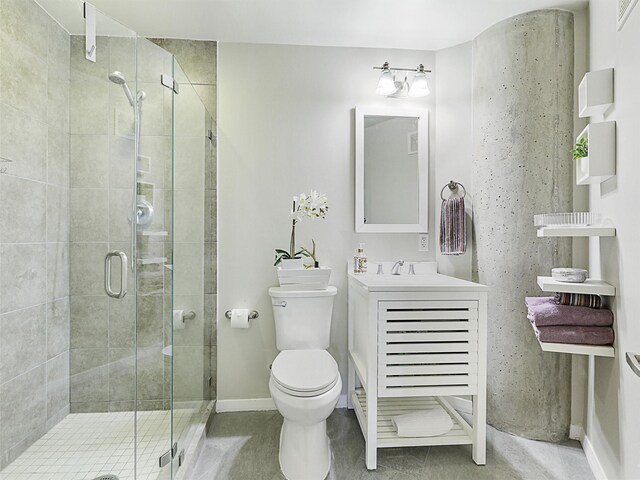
[{"x": 313, "y": 205}]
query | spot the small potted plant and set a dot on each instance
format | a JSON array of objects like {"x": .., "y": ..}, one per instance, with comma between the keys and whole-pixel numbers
[
  {"x": 290, "y": 267},
  {"x": 580, "y": 149},
  {"x": 580, "y": 154}
]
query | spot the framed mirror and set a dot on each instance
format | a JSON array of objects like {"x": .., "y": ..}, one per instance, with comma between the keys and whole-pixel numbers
[{"x": 392, "y": 163}]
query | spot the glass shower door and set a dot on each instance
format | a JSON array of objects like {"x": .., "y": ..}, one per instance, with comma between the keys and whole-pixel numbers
[
  {"x": 154, "y": 262},
  {"x": 105, "y": 99}
]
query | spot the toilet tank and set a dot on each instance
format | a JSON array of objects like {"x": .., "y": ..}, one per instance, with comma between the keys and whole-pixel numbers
[{"x": 302, "y": 317}]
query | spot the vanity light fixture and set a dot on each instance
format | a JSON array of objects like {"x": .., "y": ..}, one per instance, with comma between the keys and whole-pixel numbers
[{"x": 389, "y": 87}]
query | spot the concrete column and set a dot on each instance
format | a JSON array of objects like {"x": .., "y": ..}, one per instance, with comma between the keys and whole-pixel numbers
[{"x": 523, "y": 131}]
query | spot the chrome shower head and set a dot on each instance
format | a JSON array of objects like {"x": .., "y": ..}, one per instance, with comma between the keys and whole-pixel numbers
[{"x": 118, "y": 78}]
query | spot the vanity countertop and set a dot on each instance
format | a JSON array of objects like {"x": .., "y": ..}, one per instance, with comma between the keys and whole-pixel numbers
[{"x": 432, "y": 282}]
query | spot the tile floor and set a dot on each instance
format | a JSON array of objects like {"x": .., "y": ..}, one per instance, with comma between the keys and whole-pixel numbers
[
  {"x": 244, "y": 446},
  {"x": 85, "y": 445}
]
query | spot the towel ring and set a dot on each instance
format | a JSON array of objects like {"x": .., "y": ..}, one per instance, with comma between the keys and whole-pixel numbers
[{"x": 453, "y": 186}]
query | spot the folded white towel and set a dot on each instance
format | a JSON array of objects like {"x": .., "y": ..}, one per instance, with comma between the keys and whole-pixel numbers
[{"x": 424, "y": 423}]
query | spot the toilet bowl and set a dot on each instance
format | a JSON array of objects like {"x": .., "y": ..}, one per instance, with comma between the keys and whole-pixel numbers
[{"x": 305, "y": 386}]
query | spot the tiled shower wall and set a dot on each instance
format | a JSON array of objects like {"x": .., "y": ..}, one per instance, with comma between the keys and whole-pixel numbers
[
  {"x": 34, "y": 228},
  {"x": 199, "y": 61}
]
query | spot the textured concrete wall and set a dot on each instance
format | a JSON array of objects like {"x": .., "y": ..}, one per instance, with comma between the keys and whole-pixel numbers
[{"x": 523, "y": 129}]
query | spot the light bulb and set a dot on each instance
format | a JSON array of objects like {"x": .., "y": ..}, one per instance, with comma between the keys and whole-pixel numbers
[
  {"x": 386, "y": 84},
  {"x": 419, "y": 86}
]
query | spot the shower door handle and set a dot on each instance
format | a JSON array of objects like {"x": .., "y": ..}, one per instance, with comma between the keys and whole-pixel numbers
[{"x": 123, "y": 274}]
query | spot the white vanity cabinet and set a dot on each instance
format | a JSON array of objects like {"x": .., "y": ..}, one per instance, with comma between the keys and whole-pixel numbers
[{"x": 415, "y": 340}]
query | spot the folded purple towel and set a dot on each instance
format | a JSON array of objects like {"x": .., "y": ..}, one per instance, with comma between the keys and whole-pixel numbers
[
  {"x": 544, "y": 315},
  {"x": 577, "y": 335},
  {"x": 531, "y": 301}
]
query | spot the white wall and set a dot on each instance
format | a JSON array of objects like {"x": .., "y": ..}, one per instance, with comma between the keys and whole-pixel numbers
[
  {"x": 286, "y": 126},
  {"x": 454, "y": 131},
  {"x": 613, "y": 415}
]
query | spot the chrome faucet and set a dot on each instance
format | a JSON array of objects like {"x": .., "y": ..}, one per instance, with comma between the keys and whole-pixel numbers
[{"x": 395, "y": 270}]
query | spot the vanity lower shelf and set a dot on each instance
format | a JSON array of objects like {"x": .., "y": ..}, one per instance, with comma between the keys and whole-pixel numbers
[{"x": 460, "y": 434}]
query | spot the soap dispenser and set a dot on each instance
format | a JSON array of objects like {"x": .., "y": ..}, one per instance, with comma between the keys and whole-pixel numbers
[{"x": 360, "y": 260}]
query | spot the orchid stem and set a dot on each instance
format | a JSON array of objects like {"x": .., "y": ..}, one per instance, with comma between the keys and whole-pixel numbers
[{"x": 292, "y": 244}]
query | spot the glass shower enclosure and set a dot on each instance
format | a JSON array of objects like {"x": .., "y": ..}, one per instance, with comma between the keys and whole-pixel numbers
[{"x": 135, "y": 362}]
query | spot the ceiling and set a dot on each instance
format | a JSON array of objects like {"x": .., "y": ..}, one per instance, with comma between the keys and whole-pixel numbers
[{"x": 405, "y": 24}]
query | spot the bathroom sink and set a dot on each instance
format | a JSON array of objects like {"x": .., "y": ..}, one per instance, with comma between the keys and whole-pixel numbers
[{"x": 425, "y": 279}]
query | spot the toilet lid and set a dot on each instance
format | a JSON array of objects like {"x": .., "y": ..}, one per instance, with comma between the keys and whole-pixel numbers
[{"x": 305, "y": 372}]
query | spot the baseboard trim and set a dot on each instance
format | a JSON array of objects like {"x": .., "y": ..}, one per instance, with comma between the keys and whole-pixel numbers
[
  {"x": 592, "y": 458},
  {"x": 576, "y": 432},
  {"x": 462, "y": 405},
  {"x": 245, "y": 405}
]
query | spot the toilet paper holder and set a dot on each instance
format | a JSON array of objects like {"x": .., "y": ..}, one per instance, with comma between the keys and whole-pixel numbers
[{"x": 252, "y": 314}]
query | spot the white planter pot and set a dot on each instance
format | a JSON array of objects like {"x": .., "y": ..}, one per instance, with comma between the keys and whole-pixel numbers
[
  {"x": 291, "y": 264},
  {"x": 308, "y": 279}
]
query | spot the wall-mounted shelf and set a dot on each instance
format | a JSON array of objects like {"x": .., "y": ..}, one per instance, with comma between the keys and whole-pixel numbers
[
  {"x": 152, "y": 260},
  {"x": 586, "y": 231},
  {"x": 595, "y": 93},
  {"x": 143, "y": 165},
  {"x": 153, "y": 233},
  {"x": 591, "y": 287},
  {"x": 600, "y": 165},
  {"x": 576, "y": 349}
]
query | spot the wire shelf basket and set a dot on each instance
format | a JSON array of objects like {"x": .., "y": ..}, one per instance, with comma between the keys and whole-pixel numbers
[{"x": 572, "y": 219}]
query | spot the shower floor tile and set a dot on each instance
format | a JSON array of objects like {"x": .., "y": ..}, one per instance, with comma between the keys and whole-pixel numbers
[{"x": 85, "y": 445}]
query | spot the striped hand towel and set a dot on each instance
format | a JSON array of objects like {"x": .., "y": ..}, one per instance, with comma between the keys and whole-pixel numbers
[
  {"x": 453, "y": 232},
  {"x": 579, "y": 300}
]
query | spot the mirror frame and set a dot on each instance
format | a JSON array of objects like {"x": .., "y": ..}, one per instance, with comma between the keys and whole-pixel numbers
[{"x": 422, "y": 114}]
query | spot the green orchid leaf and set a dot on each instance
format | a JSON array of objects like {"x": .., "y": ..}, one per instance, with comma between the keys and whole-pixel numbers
[{"x": 281, "y": 255}]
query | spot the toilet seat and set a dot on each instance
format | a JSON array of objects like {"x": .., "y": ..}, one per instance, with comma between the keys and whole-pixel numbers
[{"x": 305, "y": 373}]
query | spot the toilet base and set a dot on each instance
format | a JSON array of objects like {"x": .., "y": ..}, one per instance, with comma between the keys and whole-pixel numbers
[{"x": 305, "y": 453}]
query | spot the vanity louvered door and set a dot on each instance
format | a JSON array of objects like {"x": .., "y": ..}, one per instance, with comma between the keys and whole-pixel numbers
[{"x": 427, "y": 348}]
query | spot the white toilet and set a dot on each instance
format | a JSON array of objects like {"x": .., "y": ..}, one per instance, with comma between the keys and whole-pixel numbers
[{"x": 305, "y": 382}]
